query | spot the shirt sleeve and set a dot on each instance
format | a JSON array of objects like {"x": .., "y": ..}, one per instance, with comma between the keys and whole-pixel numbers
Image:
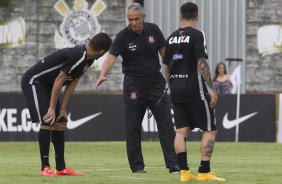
[
  {"x": 161, "y": 39},
  {"x": 200, "y": 45},
  {"x": 74, "y": 58},
  {"x": 117, "y": 47}
]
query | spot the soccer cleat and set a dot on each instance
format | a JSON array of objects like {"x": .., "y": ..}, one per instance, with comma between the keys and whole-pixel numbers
[
  {"x": 68, "y": 172},
  {"x": 47, "y": 172},
  {"x": 174, "y": 169},
  {"x": 140, "y": 171},
  {"x": 209, "y": 177},
  {"x": 185, "y": 175}
]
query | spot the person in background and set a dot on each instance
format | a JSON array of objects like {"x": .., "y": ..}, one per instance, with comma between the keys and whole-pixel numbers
[{"x": 221, "y": 80}]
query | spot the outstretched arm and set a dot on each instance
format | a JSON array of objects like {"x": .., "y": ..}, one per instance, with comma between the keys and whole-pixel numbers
[
  {"x": 107, "y": 65},
  {"x": 204, "y": 68}
]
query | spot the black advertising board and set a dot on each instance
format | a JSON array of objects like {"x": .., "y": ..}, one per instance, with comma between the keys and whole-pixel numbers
[
  {"x": 101, "y": 118},
  {"x": 91, "y": 118},
  {"x": 256, "y": 120}
]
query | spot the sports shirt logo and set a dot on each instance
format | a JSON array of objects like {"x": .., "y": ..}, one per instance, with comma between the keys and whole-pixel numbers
[
  {"x": 133, "y": 95},
  {"x": 177, "y": 57},
  {"x": 151, "y": 39},
  {"x": 178, "y": 40}
]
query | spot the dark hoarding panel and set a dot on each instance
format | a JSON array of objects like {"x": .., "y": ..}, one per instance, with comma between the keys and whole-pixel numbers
[{"x": 101, "y": 118}]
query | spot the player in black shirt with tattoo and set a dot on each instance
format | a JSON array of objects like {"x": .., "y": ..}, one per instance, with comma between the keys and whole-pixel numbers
[
  {"x": 192, "y": 92},
  {"x": 41, "y": 86}
]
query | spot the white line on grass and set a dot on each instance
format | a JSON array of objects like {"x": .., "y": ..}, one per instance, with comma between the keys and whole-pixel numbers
[
  {"x": 113, "y": 169},
  {"x": 135, "y": 178}
]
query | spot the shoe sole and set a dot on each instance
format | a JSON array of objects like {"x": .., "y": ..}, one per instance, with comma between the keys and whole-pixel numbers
[
  {"x": 47, "y": 176},
  {"x": 67, "y": 175},
  {"x": 210, "y": 180},
  {"x": 188, "y": 180}
]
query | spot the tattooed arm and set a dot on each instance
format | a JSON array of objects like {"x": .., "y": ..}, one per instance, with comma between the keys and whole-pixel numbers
[{"x": 205, "y": 71}]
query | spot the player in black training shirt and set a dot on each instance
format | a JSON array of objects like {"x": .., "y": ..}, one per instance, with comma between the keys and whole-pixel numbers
[
  {"x": 139, "y": 45},
  {"x": 41, "y": 86},
  {"x": 192, "y": 92}
]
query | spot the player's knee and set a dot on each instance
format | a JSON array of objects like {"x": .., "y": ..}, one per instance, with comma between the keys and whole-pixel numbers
[
  {"x": 45, "y": 127},
  {"x": 59, "y": 126},
  {"x": 211, "y": 133},
  {"x": 214, "y": 132},
  {"x": 183, "y": 132}
]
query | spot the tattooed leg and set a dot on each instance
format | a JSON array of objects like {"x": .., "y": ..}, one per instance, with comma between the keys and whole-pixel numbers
[
  {"x": 208, "y": 149},
  {"x": 207, "y": 144}
]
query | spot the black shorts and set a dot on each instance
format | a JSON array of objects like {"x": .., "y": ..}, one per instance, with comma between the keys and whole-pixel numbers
[
  {"x": 196, "y": 114},
  {"x": 37, "y": 96}
]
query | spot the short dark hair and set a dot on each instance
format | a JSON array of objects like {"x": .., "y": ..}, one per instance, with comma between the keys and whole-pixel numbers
[
  {"x": 189, "y": 11},
  {"x": 101, "y": 41}
]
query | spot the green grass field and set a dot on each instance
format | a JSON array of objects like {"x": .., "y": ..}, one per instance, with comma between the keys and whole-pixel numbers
[{"x": 106, "y": 162}]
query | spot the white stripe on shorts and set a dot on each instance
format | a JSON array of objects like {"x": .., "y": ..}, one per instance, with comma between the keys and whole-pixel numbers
[
  {"x": 36, "y": 103},
  {"x": 208, "y": 115},
  {"x": 202, "y": 94}
]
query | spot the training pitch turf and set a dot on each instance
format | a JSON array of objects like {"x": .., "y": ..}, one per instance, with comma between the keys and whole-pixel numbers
[{"x": 106, "y": 162}]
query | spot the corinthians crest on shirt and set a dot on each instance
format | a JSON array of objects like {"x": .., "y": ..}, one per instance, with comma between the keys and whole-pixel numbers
[
  {"x": 133, "y": 95},
  {"x": 151, "y": 39},
  {"x": 79, "y": 24}
]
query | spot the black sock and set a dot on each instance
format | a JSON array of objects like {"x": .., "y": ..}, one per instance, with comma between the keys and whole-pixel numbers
[
  {"x": 204, "y": 166},
  {"x": 58, "y": 140},
  {"x": 182, "y": 161},
  {"x": 44, "y": 145}
]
